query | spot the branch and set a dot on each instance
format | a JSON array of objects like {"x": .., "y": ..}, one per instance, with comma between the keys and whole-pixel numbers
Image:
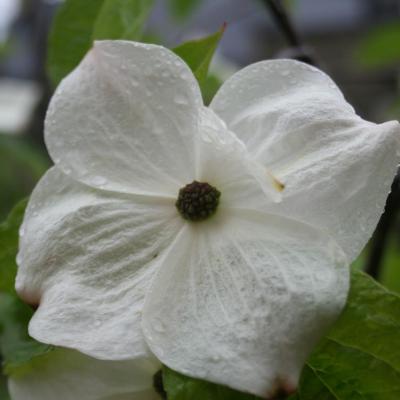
[
  {"x": 296, "y": 50},
  {"x": 283, "y": 20}
]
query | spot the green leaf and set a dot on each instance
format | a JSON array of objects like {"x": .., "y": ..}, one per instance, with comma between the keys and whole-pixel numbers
[
  {"x": 9, "y": 247},
  {"x": 210, "y": 88},
  {"x": 199, "y": 53},
  {"x": 183, "y": 8},
  {"x": 21, "y": 166},
  {"x": 79, "y": 23},
  {"x": 3, "y": 388},
  {"x": 360, "y": 357},
  {"x": 122, "y": 19},
  {"x": 180, "y": 387},
  {"x": 390, "y": 275},
  {"x": 381, "y": 46},
  {"x": 71, "y": 36},
  {"x": 17, "y": 349}
]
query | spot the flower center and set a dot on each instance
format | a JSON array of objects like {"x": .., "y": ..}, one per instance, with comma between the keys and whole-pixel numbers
[{"x": 198, "y": 201}]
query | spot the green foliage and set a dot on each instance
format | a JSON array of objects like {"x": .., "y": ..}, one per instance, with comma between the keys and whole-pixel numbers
[
  {"x": 3, "y": 388},
  {"x": 122, "y": 19},
  {"x": 183, "y": 8},
  {"x": 180, "y": 387},
  {"x": 9, "y": 247},
  {"x": 360, "y": 357},
  {"x": 21, "y": 165},
  {"x": 199, "y": 53},
  {"x": 79, "y": 23},
  {"x": 210, "y": 87},
  {"x": 17, "y": 349},
  {"x": 381, "y": 46},
  {"x": 390, "y": 276},
  {"x": 71, "y": 36}
]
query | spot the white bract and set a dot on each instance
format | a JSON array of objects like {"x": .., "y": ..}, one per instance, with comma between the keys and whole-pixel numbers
[
  {"x": 64, "y": 374},
  {"x": 241, "y": 298}
]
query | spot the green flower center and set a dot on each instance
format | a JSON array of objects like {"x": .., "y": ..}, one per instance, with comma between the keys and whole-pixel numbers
[{"x": 198, "y": 201}]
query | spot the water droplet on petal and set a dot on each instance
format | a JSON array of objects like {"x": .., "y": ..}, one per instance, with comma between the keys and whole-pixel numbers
[
  {"x": 158, "y": 326},
  {"x": 180, "y": 99},
  {"x": 99, "y": 181}
]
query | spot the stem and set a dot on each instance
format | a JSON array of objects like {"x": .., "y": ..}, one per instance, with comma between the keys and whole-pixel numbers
[
  {"x": 158, "y": 384},
  {"x": 296, "y": 50},
  {"x": 385, "y": 225},
  {"x": 283, "y": 20}
]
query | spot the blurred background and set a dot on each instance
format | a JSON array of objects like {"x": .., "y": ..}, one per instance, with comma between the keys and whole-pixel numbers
[{"x": 356, "y": 41}]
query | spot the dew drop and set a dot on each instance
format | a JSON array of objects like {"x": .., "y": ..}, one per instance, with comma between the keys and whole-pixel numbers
[
  {"x": 158, "y": 326},
  {"x": 99, "y": 181},
  {"x": 179, "y": 99}
]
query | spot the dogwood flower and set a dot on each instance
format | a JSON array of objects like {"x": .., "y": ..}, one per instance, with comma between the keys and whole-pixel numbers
[
  {"x": 219, "y": 237},
  {"x": 67, "y": 374}
]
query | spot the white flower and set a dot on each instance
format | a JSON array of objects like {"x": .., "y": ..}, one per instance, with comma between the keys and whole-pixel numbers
[
  {"x": 69, "y": 375},
  {"x": 240, "y": 298}
]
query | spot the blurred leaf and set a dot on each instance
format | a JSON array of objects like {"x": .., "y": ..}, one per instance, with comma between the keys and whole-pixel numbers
[
  {"x": 6, "y": 47},
  {"x": 3, "y": 388},
  {"x": 71, "y": 36},
  {"x": 381, "y": 46},
  {"x": 19, "y": 351},
  {"x": 183, "y": 8},
  {"x": 361, "y": 261},
  {"x": 79, "y": 22},
  {"x": 210, "y": 88},
  {"x": 9, "y": 247},
  {"x": 360, "y": 357},
  {"x": 391, "y": 265},
  {"x": 122, "y": 19},
  {"x": 180, "y": 387},
  {"x": 21, "y": 166},
  {"x": 16, "y": 347},
  {"x": 199, "y": 53}
]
